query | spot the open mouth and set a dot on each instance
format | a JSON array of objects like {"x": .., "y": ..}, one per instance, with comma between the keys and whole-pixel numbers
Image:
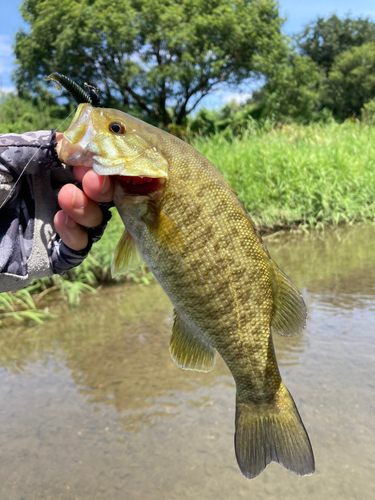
[{"x": 138, "y": 185}]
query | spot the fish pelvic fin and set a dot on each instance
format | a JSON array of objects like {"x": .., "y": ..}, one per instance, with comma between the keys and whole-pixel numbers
[
  {"x": 188, "y": 351},
  {"x": 289, "y": 314},
  {"x": 269, "y": 432},
  {"x": 126, "y": 255}
]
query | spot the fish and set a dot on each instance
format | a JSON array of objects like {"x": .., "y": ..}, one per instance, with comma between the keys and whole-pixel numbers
[{"x": 186, "y": 222}]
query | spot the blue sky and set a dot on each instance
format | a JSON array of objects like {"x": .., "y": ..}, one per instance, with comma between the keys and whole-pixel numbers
[{"x": 298, "y": 12}]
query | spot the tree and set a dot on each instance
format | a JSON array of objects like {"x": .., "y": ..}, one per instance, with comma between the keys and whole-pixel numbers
[
  {"x": 351, "y": 82},
  {"x": 292, "y": 92},
  {"x": 155, "y": 58},
  {"x": 325, "y": 39}
]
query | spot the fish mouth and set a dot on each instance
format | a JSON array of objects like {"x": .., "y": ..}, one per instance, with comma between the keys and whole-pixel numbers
[
  {"x": 146, "y": 164},
  {"x": 134, "y": 185}
]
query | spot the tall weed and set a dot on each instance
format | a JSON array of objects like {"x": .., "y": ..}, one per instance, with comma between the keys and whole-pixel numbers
[{"x": 294, "y": 175}]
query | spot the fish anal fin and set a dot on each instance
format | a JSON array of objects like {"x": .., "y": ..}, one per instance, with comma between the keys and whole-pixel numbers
[
  {"x": 126, "y": 255},
  {"x": 289, "y": 314},
  {"x": 188, "y": 351}
]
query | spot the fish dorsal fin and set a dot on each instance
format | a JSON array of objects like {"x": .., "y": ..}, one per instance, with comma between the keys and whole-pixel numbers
[
  {"x": 126, "y": 255},
  {"x": 289, "y": 314},
  {"x": 188, "y": 351}
]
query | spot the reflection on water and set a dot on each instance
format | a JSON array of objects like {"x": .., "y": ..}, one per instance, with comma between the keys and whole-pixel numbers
[
  {"x": 93, "y": 407},
  {"x": 339, "y": 262}
]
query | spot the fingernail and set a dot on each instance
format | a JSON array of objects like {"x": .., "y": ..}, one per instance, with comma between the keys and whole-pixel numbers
[
  {"x": 79, "y": 200},
  {"x": 106, "y": 185}
]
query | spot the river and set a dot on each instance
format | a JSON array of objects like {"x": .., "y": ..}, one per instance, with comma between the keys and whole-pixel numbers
[{"x": 92, "y": 407}]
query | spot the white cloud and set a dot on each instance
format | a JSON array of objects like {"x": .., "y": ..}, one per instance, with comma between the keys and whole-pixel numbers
[
  {"x": 7, "y": 90},
  {"x": 219, "y": 98},
  {"x": 239, "y": 98}
]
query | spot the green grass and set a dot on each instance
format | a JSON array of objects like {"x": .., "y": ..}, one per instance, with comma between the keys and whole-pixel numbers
[
  {"x": 294, "y": 176},
  {"x": 305, "y": 176}
]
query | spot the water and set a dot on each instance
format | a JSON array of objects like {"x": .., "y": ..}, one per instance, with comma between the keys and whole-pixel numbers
[{"x": 92, "y": 407}]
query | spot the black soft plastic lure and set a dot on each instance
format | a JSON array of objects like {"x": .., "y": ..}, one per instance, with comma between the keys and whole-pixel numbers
[{"x": 77, "y": 92}]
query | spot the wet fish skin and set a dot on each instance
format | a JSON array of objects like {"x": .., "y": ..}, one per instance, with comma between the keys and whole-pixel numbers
[
  {"x": 89, "y": 142},
  {"x": 202, "y": 247}
]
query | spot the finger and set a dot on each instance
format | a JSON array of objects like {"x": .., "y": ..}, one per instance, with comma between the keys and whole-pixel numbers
[
  {"x": 79, "y": 207},
  {"x": 71, "y": 233},
  {"x": 98, "y": 187},
  {"x": 80, "y": 172}
]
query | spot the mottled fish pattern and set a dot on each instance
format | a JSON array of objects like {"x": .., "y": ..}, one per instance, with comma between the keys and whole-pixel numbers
[{"x": 228, "y": 294}]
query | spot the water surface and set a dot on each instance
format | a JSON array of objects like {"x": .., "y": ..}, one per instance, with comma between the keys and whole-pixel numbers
[{"x": 92, "y": 407}]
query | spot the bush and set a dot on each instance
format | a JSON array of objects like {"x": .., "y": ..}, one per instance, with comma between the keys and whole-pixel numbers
[
  {"x": 368, "y": 112},
  {"x": 21, "y": 115}
]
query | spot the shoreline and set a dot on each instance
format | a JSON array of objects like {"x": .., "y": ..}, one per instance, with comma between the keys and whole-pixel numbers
[{"x": 37, "y": 302}]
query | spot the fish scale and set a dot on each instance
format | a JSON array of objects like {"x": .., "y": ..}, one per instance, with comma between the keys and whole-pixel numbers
[{"x": 197, "y": 239}]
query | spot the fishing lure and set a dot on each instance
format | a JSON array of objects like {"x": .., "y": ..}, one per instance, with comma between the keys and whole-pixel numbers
[
  {"x": 77, "y": 92},
  {"x": 94, "y": 95}
]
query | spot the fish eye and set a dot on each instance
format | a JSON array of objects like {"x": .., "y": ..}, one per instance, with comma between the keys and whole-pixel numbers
[{"x": 117, "y": 128}]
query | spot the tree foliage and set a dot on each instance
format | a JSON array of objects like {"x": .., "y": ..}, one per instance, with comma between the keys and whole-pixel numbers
[
  {"x": 292, "y": 93},
  {"x": 351, "y": 82},
  {"x": 39, "y": 113},
  {"x": 155, "y": 58},
  {"x": 325, "y": 39},
  {"x": 328, "y": 73}
]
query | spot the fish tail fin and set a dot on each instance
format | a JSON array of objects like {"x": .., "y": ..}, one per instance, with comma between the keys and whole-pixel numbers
[{"x": 272, "y": 431}]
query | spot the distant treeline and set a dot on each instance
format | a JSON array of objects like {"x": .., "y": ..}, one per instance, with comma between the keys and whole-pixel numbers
[
  {"x": 157, "y": 61},
  {"x": 329, "y": 71},
  {"x": 328, "y": 75}
]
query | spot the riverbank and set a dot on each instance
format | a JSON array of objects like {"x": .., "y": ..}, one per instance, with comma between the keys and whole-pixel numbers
[
  {"x": 292, "y": 177},
  {"x": 299, "y": 176}
]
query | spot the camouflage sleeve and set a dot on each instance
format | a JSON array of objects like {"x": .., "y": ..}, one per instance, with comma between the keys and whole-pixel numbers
[
  {"x": 63, "y": 258},
  {"x": 29, "y": 245},
  {"x": 24, "y": 153}
]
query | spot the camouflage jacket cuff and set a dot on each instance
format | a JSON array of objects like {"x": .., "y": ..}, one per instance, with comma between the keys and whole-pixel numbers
[{"x": 62, "y": 258}]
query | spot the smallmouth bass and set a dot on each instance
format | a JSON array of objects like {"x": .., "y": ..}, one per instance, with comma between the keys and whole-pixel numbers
[{"x": 193, "y": 232}]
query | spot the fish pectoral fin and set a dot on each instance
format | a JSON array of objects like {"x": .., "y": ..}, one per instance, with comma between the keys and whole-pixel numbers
[
  {"x": 289, "y": 315},
  {"x": 188, "y": 351},
  {"x": 126, "y": 255}
]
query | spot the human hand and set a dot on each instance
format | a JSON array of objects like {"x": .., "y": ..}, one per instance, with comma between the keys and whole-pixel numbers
[{"x": 80, "y": 207}]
